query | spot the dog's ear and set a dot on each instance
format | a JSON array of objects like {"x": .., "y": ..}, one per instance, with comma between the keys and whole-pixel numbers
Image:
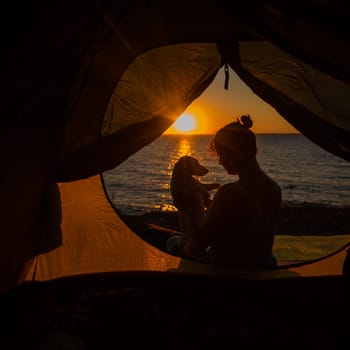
[
  {"x": 197, "y": 168},
  {"x": 185, "y": 162},
  {"x": 180, "y": 165},
  {"x": 183, "y": 159},
  {"x": 191, "y": 165}
]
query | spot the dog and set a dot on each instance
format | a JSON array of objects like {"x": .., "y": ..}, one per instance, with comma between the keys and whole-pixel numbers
[{"x": 191, "y": 198}]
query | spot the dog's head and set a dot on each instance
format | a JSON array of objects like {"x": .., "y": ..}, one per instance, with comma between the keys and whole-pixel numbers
[{"x": 190, "y": 166}]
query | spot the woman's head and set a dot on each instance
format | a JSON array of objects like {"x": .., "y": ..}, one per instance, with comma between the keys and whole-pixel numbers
[{"x": 235, "y": 144}]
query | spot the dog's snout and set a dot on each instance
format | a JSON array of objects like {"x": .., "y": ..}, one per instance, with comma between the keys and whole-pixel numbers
[
  {"x": 203, "y": 170},
  {"x": 199, "y": 169}
]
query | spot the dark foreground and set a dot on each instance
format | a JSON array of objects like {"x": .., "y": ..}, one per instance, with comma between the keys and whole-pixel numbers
[
  {"x": 313, "y": 314},
  {"x": 294, "y": 313}
]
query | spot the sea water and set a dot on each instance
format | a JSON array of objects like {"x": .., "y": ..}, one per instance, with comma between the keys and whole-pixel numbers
[{"x": 305, "y": 172}]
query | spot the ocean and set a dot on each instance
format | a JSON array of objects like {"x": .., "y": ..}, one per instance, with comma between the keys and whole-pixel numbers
[{"x": 305, "y": 172}]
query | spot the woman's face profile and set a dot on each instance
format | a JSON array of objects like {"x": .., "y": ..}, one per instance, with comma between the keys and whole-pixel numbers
[{"x": 228, "y": 164}]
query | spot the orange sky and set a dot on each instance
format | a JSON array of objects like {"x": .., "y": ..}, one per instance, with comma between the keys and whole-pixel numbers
[{"x": 217, "y": 106}]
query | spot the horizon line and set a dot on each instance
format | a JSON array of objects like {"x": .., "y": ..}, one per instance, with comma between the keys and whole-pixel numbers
[{"x": 211, "y": 134}]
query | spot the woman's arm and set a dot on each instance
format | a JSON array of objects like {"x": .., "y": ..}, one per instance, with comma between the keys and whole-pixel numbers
[{"x": 229, "y": 202}]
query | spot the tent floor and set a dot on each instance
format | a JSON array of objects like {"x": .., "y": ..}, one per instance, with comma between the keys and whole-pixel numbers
[
  {"x": 294, "y": 314},
  {"x": 287, "y": 248},
  {"x": 301, "y": 247}
]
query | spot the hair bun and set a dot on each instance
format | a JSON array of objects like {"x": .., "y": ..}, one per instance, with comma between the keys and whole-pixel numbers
[{"x": 246, "y": 121}]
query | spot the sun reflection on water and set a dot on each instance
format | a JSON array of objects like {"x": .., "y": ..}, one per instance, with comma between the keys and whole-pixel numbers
[{"x": 183, "y": 148}]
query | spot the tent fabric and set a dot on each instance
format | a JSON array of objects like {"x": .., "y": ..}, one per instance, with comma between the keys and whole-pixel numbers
[
  {"x": 312, "y": 30},
  {"x": 117, "y": 42},
  {"x": 320, "y": 93},
  {"x": 103, "y": 243},
  {"x": 159, "y": 82},
  {"x": 312, "y": 101},
  {"x": 24, "y": 186},
  {"x": 99, "y": 243},
  {"x": 42, "y": 51},
  {"x": 155, "y": 89},
  {"x": 62, "y": 72}
]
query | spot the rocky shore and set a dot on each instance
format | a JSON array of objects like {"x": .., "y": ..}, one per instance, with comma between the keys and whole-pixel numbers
[{"x": 301, "y": 219}]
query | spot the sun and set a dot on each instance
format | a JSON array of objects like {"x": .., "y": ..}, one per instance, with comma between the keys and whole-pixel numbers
[{"x": 185, "y": 123}]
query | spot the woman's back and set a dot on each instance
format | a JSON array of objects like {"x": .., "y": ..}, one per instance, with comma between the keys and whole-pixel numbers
[{"x": 243, "y": 220}]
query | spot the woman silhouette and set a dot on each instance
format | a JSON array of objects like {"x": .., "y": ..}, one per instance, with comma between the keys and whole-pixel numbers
[{"x": 240, "y": 224}]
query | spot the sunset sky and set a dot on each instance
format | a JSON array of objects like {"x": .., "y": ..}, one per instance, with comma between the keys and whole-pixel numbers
[{"x": 217, "y": 106}]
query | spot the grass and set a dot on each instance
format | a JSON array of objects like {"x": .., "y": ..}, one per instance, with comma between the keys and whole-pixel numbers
[{"x": 291, "y": 247}]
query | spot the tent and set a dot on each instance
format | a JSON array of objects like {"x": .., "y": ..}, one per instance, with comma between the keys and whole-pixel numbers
[{"x": 88, "y": 83}]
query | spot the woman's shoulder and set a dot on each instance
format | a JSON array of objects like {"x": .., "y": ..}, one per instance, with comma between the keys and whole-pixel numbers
[
  {"x": 231, "y": 186},
  {"x": 231, "y": 189},
  {"x": 231, "y": 199}
]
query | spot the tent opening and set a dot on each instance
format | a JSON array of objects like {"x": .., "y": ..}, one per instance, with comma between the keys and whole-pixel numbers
[{"x": 315, "y": 206}]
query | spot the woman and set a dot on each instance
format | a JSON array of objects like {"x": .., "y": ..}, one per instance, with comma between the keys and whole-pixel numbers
[{"x": 240, "y": 223}]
